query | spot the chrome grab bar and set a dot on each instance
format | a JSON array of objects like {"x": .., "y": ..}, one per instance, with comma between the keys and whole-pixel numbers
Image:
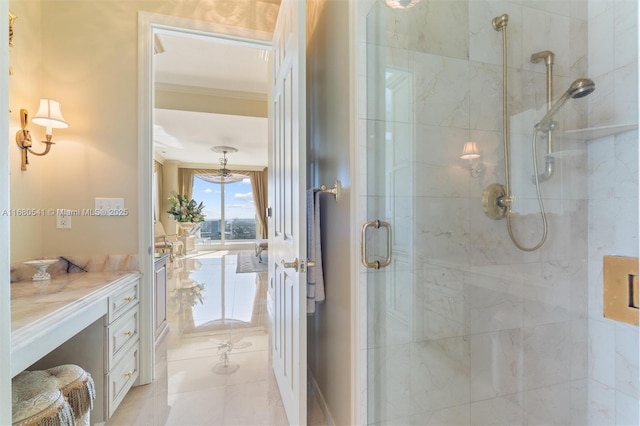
[{"x": 377, "y": 264}]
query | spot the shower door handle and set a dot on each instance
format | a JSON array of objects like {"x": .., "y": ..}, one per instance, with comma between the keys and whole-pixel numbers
[{"x": 376, "y": 264}]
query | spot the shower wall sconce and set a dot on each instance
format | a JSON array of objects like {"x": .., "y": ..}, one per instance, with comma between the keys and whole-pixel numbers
[
  {"x": 49, "y": 116},
  {"x": 470, "y": 152},
  {"x": 401, "y": 4}
]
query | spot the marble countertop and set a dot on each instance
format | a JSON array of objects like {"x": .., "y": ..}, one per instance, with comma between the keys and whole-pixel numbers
[{"x": 39, "y": 307}]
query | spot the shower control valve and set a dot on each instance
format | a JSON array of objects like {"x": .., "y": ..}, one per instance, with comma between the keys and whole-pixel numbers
[{"x": 505, "y": 201}]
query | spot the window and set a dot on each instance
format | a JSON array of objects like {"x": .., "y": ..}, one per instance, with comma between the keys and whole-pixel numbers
[{"x": 230, "y": 213}]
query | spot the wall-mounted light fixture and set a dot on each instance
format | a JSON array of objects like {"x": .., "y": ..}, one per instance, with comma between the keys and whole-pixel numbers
[
  {"x": 49, "y": 116},
  {"x": 402, "y": 4},
  {"x": 470, "y": 152}
]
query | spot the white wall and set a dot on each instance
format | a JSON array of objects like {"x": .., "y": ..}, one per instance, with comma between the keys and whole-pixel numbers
[
  {"x": 85, "y": 54},
  {"x": 328, "y": 118}
]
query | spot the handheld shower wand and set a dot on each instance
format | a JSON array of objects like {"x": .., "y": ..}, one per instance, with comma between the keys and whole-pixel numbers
[{"x": 578, "y": 89}]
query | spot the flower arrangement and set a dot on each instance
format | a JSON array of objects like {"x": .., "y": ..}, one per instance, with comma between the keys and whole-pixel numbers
[
  {"x": 188, "y": 296},
  {"x": 185, "y": 210}
]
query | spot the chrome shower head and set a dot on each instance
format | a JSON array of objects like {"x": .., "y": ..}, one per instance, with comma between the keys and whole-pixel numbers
[
  {"x": 578, "y": 89},
  {"x": 581, "y": 87}
]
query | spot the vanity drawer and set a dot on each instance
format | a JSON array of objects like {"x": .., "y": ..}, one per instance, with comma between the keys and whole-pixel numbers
[
  {"x": 121, "y": 378},
  {"x": 120, "y": 333},
  {"x": 122, "y": 300}
]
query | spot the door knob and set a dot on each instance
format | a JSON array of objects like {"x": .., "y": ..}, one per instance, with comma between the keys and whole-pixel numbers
[{"x": 291, "y": 265}]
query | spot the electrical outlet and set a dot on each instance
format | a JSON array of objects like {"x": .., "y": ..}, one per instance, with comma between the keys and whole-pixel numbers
[{"x": 63, "y": 220}]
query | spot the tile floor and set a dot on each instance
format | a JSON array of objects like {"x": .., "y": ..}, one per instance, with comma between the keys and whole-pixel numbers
[{"x": 213, "y": 367}]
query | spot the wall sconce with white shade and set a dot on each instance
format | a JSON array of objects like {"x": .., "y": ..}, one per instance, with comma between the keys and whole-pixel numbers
[
  {"x": 470, "y": 152},
  {"x": 49, "y": 116},
  {"x": 401, "y": 4}
]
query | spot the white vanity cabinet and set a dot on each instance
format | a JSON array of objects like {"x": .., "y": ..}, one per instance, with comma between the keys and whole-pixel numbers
[
  {"x": 88, "y": 319},
  {"x": 122, "y": 345}
]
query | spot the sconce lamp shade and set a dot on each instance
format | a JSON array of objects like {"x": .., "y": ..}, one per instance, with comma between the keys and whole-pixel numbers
[
  {"x": 402, "y": 4},
  {"x": 470, "y": 151},
  {"x": 49, "y": 115}
]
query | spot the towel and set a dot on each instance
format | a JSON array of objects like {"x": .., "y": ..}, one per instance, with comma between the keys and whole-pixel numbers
[{"x": 315, "y": 278}]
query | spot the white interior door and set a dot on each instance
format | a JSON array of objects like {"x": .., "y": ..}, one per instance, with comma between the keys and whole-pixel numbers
[{"x": 287, "y": 230}]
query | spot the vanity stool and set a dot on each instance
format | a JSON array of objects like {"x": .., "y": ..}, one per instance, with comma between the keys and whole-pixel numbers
[
  {"x": 59, "y": 396},
  {"x": 261, "y": 245}
]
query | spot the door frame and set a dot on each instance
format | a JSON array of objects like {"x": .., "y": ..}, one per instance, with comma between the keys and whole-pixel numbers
[
  {"x": 5, "y": 247},
  {"x": 148, "y": 24}
]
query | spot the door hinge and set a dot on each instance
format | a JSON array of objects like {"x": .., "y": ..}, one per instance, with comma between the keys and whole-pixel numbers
[{"x": 269, "y": 211}]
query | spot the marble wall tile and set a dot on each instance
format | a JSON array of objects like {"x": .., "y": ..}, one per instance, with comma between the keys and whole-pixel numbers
[
  {"x": 625, "y": 174},
  {"x": 579, "y": 402},
  {"x": 390, "y": 372},
  {"x": 442, "y": 229},
  {"x": 602, "y": 101},
  {"x": 627, "y": 350},
  {"x": 626, "y": 227},
  {"x": 595, "y": 8},
  {"x": 387, "y": 27},
  {"x": 626, "y": 45},
  {"x": 601, "y": 405},
  {"x": 496, "y": 364},
  {"x": 440, "y": 146},
  {"x": 503, "y": 410},
  {"x": 602, "y": 351},
  {"x": 441, "y": 90},
  {"x": 547, "y": 31},
  {"x": 551, "y": 405},
  {"x": 564, "y": 8},
  {"x": 429, "y": 20},
  {"x": 451, "y": 416},
  {"x": 441, "y": 181},
  {"x": 441, "y": 304},
  {"x": 485, "y": 43},
  {"x": 547, "y": 351},
  {"x": 439, "y": 373},
  {"x": 580, "y": 349},
  {"x": 626, "y": 93},
  {"x": 390, "y": 310},
  {"x": 627, "y": 410},
  {"x": 552, "y": 292},
  {"x": 485, "y": 82},
  {"x": 601, "y": 54},
  {"x": 601, "y": 169},
  {"x": 495, "y": 300}
]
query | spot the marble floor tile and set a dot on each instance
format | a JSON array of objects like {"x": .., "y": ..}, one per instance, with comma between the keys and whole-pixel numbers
[{"x": 212, "y": 368}]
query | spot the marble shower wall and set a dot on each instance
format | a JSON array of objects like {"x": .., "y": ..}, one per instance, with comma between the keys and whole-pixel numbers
[
  {"x": 613, "y": 386},
  {"x": 464, "y": 328}
]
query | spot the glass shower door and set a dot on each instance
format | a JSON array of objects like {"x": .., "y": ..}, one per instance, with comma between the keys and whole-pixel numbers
[{"x": 388, "y": 233}]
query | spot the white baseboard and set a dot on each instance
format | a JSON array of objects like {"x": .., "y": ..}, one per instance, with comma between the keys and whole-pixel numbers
[{"x": 321, "y": 401}]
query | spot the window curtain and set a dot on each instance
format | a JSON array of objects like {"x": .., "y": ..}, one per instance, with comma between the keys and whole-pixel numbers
[
  {"x": 185, "y": 181},
  {"x": 259, "y": 187}
]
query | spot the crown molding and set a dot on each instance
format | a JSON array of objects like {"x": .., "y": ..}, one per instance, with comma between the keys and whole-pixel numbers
[{"x": 207, "y": 91}]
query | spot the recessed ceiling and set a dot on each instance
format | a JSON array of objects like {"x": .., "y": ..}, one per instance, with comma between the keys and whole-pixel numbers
[
  {"x": 199, "y": 61},
  {"x": 195, "y": 133}
]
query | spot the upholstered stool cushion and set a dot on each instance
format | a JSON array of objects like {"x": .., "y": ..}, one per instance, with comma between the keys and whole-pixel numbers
[
  {"x": 75, "y": 384},
  {"x": 34, "y": 406}
]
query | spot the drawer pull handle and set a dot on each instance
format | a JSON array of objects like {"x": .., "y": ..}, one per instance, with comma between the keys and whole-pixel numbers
[
  {"x": 128, "y": 299},
  {"x": 128, "y": 374},
  {"x": 128, "y": 333}
]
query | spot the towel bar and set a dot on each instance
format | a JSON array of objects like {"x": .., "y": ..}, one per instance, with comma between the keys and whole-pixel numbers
[{"x": 336, "y": 190}]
